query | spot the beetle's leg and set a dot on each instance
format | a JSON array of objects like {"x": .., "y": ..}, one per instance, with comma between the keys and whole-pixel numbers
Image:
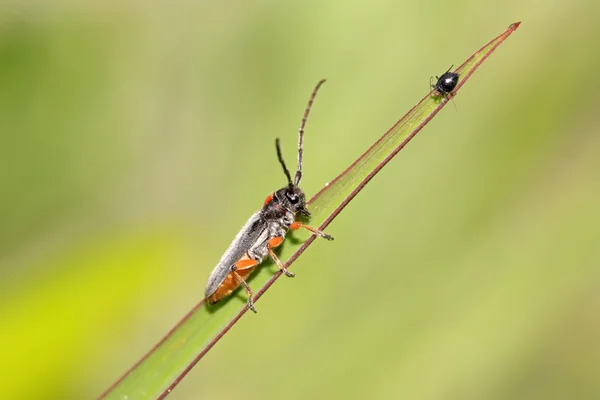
[
  {"x": 280, "y": 264},
  {"x": 274, "y": 242},
  {"x": 246, "y": 287},
  {"x": 298, "y": 225}
]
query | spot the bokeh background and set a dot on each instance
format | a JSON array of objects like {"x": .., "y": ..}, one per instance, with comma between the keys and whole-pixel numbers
[{"x": 137, "y": 137}]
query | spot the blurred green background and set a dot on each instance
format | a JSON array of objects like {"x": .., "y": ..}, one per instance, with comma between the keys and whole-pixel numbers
[{"x": 136, "y": 139}]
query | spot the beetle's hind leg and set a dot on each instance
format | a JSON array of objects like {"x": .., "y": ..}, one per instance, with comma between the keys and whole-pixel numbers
[{"x": 246, "y": 287}]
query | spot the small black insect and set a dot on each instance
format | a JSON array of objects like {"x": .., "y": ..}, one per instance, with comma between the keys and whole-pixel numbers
[{"x": 446, "y": 83}]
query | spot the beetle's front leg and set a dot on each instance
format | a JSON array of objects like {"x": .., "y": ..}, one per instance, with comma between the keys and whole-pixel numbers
[{"x": 298, "y": 225}]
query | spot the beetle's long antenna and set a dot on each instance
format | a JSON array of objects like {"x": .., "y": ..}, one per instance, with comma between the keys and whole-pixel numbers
[
  {"x": 285, "y": 170},
  {"x": 298, "y": 176}
]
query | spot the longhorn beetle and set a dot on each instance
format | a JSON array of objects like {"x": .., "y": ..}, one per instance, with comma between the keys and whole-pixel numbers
[{"x": 264, "y": 231}]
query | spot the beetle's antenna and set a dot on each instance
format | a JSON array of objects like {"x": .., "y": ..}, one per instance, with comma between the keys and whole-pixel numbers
[
  {"x": 285, "y": 170},
  {"x": 298, "y": 176},
  {"x": 437, "y": 78}
]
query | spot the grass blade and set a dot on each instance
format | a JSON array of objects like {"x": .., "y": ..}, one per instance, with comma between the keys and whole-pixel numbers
[{"x": 155, "y": 375}]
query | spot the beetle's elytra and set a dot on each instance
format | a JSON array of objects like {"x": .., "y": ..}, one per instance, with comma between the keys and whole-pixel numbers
[
  {"x": 446, "y": 83},
  {"x": 264, "y": 231}
]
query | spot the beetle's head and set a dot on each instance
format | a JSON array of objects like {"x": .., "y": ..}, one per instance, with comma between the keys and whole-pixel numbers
[{"x": 292, "y": 198}]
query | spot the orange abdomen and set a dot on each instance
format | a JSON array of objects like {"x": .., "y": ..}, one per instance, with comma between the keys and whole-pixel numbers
[{"x": 245, "y": 266}]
